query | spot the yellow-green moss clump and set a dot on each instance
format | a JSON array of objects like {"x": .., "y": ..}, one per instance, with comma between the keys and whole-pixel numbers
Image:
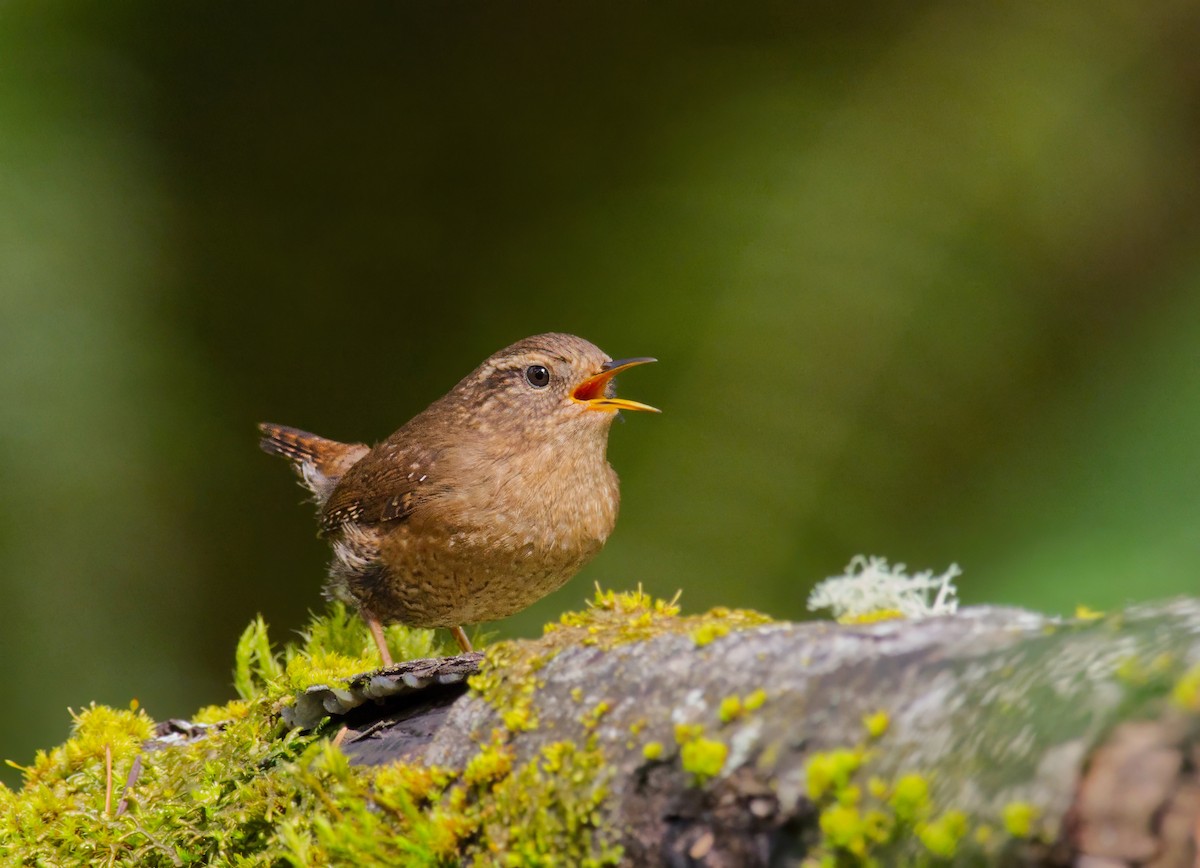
[
  {"x": 1019, "y": 818},
  {"x": 250, "y": 792},
  {"x": 734, "y": 707},
  {"x": 508, "y": 678},
  {"x": 877, "y": 724},
  {"x": 1186, "y": 691},
  {"x": 618, "y": 617},
  {"x": 885, "y": 823},
  {"x": 703, "y": 758}
]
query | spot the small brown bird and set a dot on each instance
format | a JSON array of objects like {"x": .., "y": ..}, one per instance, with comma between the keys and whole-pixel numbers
[{"x": 491, "y": 498}]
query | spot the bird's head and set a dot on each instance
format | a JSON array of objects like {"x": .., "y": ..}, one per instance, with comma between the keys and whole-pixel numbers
[{"x": 547, "y": 379}]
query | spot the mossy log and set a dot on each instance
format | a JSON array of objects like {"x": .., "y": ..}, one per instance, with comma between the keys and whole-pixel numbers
[
  {"x": 993, "y": 735},
  {"x": 631, "y": 735}
]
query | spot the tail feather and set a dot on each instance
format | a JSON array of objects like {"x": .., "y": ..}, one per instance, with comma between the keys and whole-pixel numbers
[
  {"x": 296, "y": 445},
  {"x": 319, "y": 461}
]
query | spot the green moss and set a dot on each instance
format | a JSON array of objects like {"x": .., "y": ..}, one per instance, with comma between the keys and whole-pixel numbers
[
  {"x": 93, "y": 731},
  {"x": 216, "y": 714},
  {"x": 883, "y": 824},
  {"x": 549, "y": 811},
  {"x": 1151, "y": 679},
  {"x": 508, "y": 680},
  {"x": 829, "y": 772},
  {"x": 618, "y": 617},
  {"x": 910, "y": 798},
  {"x": 876, "y": 724},
  {"x": 872, "y": 617},
  {"x": 250, "y": 792},
  {"x": 878, "y": 787},
  {"x": 1136, "y": 672},
  {"x": 492, "y": 763},
  {"x": 1186, "y": 691},
  {"x": 849, "y": 795},
  {"x": 755, "y": 700},
  {"x": 591, "y": 719},
  {"x": 734, "y": 707},
  {"x": 941, "y": 837},
  {"x": 707, "y": 633},
  {"x": 845, "y": 829},
  {"x": 247, "y": 791},
  {"x": 1019, "y": 818},
  {"x": 887, "y": 822},
  {"x": 703, "y": 758},
  {"x": 730, "y": 709},
  {"x": 335, "y": 645}
]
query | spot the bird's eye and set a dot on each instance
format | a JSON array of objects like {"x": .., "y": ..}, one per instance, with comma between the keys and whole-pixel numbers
[{"x": 538, "y": 376}]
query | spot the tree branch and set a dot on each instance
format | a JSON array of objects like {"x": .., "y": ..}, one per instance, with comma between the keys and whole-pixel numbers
[{"x": 993, "y": 734}]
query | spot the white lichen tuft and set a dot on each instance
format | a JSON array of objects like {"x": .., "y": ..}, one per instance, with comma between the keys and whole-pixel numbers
[{"x": 870, "y": 588}]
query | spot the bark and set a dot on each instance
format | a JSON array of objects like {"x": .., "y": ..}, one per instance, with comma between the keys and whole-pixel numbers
[{"x": 1092, "y": 724}]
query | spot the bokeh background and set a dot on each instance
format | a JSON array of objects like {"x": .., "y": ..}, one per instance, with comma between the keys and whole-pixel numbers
[{"x": 924, "y": 278}]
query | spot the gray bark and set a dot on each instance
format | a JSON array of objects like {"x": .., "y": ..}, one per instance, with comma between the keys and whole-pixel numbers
[{"x": 991, "y": 706}]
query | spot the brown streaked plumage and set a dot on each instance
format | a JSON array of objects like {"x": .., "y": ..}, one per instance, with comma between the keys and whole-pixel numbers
[{"x": 488, "y": 500}]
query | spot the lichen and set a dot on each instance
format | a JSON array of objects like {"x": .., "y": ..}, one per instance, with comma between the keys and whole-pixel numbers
[{"x": 871, "y": 590}]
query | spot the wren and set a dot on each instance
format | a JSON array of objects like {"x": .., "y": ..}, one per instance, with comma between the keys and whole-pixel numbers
[{"x": 492, "y": 497}]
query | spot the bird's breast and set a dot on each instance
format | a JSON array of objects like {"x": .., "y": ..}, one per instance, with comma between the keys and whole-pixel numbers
[
  {"x": 490, "y": 550},
  {"x": 545, "y": 500}
]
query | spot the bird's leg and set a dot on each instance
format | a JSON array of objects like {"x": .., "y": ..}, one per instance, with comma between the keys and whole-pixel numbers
[
  {"x": 461, "y": 638},
  {"x": 377, "y": 632}
]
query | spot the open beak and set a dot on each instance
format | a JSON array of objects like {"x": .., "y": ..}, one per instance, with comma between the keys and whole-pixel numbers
[{"x": 593, "y": 391}]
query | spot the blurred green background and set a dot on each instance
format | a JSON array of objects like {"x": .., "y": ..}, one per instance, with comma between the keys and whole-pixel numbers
[{"x": 924, "y": 279}]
